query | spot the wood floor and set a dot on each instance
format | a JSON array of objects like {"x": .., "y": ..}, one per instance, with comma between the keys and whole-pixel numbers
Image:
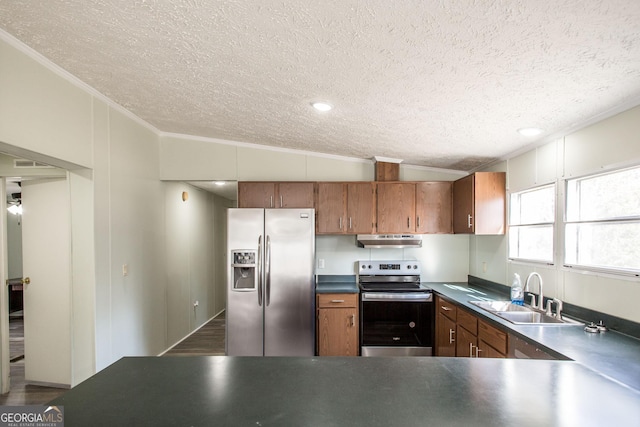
[{"x": 209, "y": 340}]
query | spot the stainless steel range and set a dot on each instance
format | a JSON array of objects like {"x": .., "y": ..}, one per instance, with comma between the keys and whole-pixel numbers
[{"x": 396, "y": 310}]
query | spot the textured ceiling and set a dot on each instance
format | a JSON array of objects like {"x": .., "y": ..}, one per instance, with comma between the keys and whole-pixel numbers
[{"x": 436, "y": 83}]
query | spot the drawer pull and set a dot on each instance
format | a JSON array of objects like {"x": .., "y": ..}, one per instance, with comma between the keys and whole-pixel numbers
[
  {"x": 337, "y": 301},
  {"x": 445, "y": 308}
]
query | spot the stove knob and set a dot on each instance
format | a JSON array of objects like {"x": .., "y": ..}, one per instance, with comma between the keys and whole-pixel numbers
[
  {"x": 370, "y": 267},
  {"x": 364, "y": 266},
  {"x": 415, "y": 267}
]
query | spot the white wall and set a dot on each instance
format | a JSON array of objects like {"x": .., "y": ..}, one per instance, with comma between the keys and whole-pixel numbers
[{"x": 611, "y": 143}]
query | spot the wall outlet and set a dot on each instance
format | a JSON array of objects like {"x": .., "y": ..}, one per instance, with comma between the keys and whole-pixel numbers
[{"x": 320, "y": 263}]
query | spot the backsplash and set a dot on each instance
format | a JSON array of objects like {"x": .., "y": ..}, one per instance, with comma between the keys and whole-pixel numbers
[{"x": 444, "y": 257}]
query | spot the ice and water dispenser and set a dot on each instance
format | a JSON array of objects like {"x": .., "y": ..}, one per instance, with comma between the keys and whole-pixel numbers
[{"x": 244, "y": 270}]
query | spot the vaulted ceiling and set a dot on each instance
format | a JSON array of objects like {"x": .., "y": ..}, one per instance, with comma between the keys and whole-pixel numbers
[{"x": 435, "y": 83}]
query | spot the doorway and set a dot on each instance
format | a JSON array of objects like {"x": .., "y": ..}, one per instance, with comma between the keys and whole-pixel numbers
[{"x": 25, "y": 317}]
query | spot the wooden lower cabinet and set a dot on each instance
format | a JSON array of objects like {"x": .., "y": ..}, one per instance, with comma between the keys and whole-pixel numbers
[
  {"x": 461, "y": 333},
  {"x": 337, "y": 325}
]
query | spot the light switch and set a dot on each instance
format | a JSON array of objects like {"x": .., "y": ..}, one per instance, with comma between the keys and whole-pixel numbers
[{"x": 125, "y": 270}]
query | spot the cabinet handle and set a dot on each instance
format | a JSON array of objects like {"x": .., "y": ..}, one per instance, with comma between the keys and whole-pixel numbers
[
  {"x": 270, "y": 201},
  {"x": 478, "y": 351},
  {"x": 353, "y": 320},
  {"x": 281, "y": 201},
  {"x": 408, "y": 222},
  {"x": 340, "y": 224},
  {"x": 350, "y": 227},
  {"x": 336, "y": 301},
  {"x": 418, "y": 222},
  {"x": 451, "y": 338},
  {"x": 471, "y": 349},
  {"x": 469, "y": 221},
  {"x": 445, "y": 308}
]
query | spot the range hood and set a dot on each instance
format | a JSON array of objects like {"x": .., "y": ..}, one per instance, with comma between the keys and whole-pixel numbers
[{"x": 389, "y": 240}]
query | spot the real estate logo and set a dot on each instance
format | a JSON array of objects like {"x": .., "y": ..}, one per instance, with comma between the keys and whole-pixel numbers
[{"x": 32, "y": 416}]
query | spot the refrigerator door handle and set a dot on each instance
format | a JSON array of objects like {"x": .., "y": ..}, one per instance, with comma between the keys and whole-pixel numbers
[
  {"x": 268, "y": 271},
  {"x": 260, "y": 271}
]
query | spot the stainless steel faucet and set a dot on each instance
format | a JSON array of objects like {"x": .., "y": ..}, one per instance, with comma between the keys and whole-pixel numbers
[{"x": 540, "y": 305}]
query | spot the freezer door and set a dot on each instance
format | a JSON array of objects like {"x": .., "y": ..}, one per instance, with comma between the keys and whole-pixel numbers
[
  {"x": 289, "y": 282},
  {"x": 244, "y": 313}
]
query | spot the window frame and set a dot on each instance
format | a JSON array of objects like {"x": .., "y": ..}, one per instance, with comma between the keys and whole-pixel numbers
[{"x": 552, "y": 223}]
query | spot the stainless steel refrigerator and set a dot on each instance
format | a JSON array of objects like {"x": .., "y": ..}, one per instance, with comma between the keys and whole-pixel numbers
[{"x": 271, "y": 286}]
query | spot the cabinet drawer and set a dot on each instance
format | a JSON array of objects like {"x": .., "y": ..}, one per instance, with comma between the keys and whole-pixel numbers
[
  {"x": 492, "y": 336},
  {"x": 446, "y": 308},
  {"x": 468, "y": 321},
  {"x": 337, "y": 300}
]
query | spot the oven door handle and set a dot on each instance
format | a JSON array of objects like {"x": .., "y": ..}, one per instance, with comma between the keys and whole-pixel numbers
[{"x": 397, "y": 296}]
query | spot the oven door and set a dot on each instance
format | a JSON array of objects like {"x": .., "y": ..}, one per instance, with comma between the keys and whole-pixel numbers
[{"x": 396, "y": 323}]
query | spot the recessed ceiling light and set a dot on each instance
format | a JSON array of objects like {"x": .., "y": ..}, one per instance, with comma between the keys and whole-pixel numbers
[
  {"x": 530, "y": 131},
  {"x": 322, "y": 106}
]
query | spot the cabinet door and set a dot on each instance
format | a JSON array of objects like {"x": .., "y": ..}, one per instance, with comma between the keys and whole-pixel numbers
[
  {"x": 489, "y": 202},
  {"x": 337, "y": 332},
  {"x": 256, "y": 194},
  {"x": 466, "y": 343},
  {"x": 445, "y": 336},
  {"x": 331, "y": 207},
  {"x": 434, "y": 207},
  {"x": 295, "y": 195},
  {"x": 360, "y": 208},
  {"x": 396, "y": 207},
  {"x": 463, "y": 205}
]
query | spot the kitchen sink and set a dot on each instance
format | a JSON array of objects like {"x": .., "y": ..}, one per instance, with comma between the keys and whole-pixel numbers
[
  {"x": 522, "y": 314},
  {"x": 502, "y": 306}
]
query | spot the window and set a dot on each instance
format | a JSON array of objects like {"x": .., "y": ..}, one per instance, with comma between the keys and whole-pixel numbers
[
  {"x": 531, "y": 224},
  {"x": 602, "y": 228}
]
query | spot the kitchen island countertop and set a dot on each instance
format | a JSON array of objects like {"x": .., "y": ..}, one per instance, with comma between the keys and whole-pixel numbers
[{"x": 339, "y": 391}]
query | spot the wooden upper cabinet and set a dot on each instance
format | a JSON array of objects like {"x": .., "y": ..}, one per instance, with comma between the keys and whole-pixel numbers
[
  {"x": 361, "y": 212},
  {"x": 479, "y": 203},
  {"x": 275, "y": 194},
  {"x": 396, "y": 203},
  {"x": 295, "y": 195},
  {"x": 331, "y": 208},
  {"x": 256, "y": 194},
  {"x": 434, "y": 207}
]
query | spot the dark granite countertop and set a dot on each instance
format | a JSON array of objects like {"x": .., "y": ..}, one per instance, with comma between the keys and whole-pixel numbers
[
  {"x": 336, "y": 284},
  {"x": 340, "y": 391},
  {"x": 611, "y": 354}
]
